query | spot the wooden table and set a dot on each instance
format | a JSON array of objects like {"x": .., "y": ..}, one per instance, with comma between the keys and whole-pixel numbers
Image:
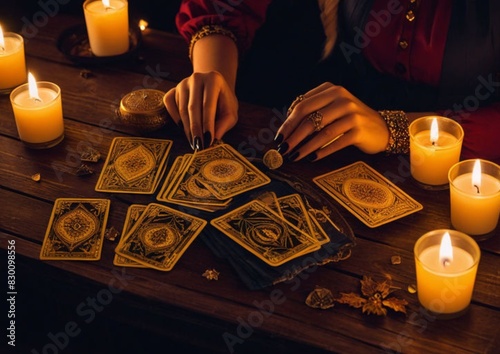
[{"x": 68, "y": 306}]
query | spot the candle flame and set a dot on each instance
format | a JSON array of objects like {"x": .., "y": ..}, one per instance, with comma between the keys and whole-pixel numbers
[
  {"x": 2, "y": 40},
  {"x": 143, "y": 24},
  {"x": 476, "y": 175},
  {"x": 106, "y": 3},
  {"x": 33, "y": 88},
  {"x": 434, "y": 131},
  {"x": 446, "y": 250}
]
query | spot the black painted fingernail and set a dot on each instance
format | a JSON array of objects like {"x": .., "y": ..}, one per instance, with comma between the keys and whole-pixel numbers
[
  {"x": 197, "y": 143},
  {"x": 207, "y": 139},
  {"x": 278, "y": 139},
  {"x": 293, "y": 156},
  {"x": 312, "y": 157},
  {"x": 283, "y": 148}
]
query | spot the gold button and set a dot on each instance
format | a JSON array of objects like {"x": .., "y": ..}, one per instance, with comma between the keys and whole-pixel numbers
[
  {"x": 403, "y": 44},
  {"x": 410, "y": 15}
]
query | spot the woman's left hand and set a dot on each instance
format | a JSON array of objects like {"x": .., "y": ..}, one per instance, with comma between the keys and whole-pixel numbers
[{"x": 330, "y": 118}]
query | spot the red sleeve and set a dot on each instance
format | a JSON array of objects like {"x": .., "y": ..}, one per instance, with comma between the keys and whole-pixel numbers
[
  {"x": 241, "y": 17},
  {"x": 481, "y": 132}
]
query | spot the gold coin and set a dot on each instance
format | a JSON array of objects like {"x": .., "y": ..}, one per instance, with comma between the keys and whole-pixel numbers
[{"x": 273, "y": 159}]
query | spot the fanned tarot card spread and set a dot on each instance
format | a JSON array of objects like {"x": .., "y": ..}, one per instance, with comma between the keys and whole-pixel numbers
[
  {"x": 222, "y": 171},
  {"x": 192, "y": 193},
  {"x": 76, "y": 229},
  {"x": 367, "y": 194},
  {"x": 160, "y": 236},
  {"x": 265, "y": 234},
  {"x": 133, "y": 213},
  {"x": 134, "y": 165}
]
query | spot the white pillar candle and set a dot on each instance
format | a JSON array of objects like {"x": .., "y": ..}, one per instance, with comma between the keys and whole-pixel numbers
[
  {"x": 38, "y": 113},
  {"x": 475, "y": 196},
  {"x": 12, "y": 61},
  {"x": 107, "y": 26},
  {"x": 446, "y": 264},
  {"x": 435, "y": 146}
]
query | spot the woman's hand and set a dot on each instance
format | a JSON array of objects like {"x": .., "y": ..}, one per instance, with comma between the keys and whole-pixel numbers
[
  {"x": 327, "y": 119},
  {"x": 204, "y": 105}
]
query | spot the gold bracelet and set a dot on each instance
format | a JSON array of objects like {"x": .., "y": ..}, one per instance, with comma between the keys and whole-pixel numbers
[
  {"x": 207, "y": 31},
  {"x": 399, "y": 140}
]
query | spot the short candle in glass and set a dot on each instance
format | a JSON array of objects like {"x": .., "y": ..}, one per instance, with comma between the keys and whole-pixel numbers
[
  {"x": 12, "y": 61},
  {"x": 38, "y": 113},
  {"x": 446, "y": 264},
  {"x": 475, "y": 197},
  {"x": 435, "y": 146},
  {"x": 107, "y": 26}
]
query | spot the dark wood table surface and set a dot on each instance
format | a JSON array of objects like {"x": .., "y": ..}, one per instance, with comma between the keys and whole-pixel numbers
[{"x": 65, "y": 307}]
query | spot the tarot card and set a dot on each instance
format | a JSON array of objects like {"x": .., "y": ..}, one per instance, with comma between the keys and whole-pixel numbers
[
  {"x": 270, "y": 199},
  {"x": 223, "y": 171},
  {"x": 160, "y": 236},
  {"x": 294, "y": 210},
  {"x": 367, "y": 194},
  {"x": 76, "y": 229},
  {"x": 265, "y": 234},
  {"x": 134, "y": 165},
  {"x": 133, "y": 213}
]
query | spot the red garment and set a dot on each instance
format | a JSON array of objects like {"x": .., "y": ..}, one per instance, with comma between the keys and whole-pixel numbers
[{"x": 407, "y": 45}]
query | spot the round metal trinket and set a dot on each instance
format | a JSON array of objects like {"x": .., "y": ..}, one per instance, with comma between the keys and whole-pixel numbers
[
  {"x": 272, "y": 159},
  {"x": 143, "y": 110}
]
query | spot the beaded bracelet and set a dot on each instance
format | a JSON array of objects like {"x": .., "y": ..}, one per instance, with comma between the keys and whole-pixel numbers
[
  {"x": 399, "y": 140},
  {"x": 208, "y": 30}
]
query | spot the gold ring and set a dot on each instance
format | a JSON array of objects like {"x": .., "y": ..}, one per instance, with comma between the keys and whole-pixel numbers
[
  {"x": 298, "y": 99},
  {"x": 316, "y": 118}
]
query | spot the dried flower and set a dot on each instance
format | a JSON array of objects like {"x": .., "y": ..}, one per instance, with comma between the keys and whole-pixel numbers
[
  {"x": 374, "y": 299},
  {"x": 211, "y": 274},
  {"x": 320, "y": 298}
]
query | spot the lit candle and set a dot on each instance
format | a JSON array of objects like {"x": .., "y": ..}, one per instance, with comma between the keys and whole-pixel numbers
[
  {"x": 38, "y": 113},
  {"x": 12, "y": 61},
  {"x": 107, "y": 26},
  {"x": 435, "y": 145},
  {"x": 446, "y": 264},
  {"x": 475, "y": 196}
]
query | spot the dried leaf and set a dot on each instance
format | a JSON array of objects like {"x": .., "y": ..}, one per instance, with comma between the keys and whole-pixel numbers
[
  {"x": 376, "y": 308},
  {"x": 396, "y": 304},
  {"x": 351, "y": 299},
  {"x": 375, "y": 298}
]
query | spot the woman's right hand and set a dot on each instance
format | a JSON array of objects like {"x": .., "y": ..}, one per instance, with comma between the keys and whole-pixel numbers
[{"x": 204, "y": 106}]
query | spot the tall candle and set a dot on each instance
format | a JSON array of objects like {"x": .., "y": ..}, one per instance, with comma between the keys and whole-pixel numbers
[
  {"x": 38, "y": 113},
  {"x": 12, "y": 61},
  {"x": 107, "y": 26},
  {"x": 435, "y": 145},
  {"x": 475, "y": 196},
  {"x": 446, "y": 264}
]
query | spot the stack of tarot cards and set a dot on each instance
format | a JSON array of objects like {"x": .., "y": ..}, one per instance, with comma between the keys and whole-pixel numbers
[
  {"x": 209, "y": 179},
  {"x": 272, "y": 234}
]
